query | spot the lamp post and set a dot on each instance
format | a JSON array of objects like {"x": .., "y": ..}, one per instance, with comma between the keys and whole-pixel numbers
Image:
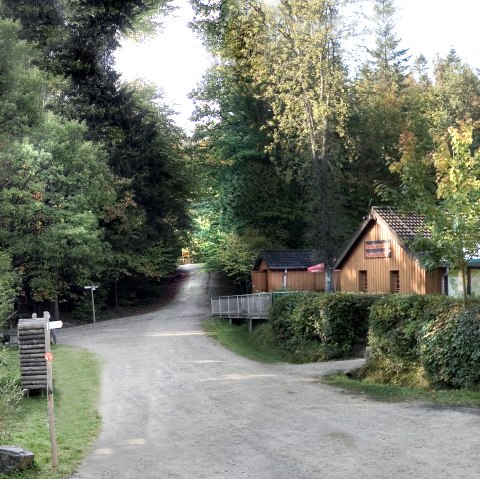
[{"x": 92, "y": 288}]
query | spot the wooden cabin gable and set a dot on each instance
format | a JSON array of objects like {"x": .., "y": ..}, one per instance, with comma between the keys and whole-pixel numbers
[{"x": 379, "y": 263}]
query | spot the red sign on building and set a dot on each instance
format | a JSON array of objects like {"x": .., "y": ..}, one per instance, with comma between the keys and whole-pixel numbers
[{"x": 377, "y": 249}]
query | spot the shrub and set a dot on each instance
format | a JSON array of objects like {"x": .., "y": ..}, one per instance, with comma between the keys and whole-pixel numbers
[
  {"x": 450, "y": 348},
  {"x": 396, "y": 322},
  {"x": 344, "y": 322},
  {"x": 395, "y": 331},
  {"x": 10, "y": 395},
  {"x": 327, "y": 325},
  {"x": 280, "y": 315}
]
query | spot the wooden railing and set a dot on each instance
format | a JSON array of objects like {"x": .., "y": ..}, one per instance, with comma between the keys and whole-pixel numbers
[{"x": 245, "y": 306}]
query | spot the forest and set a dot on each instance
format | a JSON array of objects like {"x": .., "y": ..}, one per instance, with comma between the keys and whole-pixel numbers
[{"x": 297, "y": 134}]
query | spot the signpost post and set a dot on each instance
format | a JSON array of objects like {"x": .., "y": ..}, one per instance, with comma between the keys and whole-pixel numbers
[
  {"x": 92, "y": 287},
  {"x": 49, "y": 359}
]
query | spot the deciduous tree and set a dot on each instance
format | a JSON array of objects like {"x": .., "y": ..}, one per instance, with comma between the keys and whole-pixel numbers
[{"x": 449, "y": 199}]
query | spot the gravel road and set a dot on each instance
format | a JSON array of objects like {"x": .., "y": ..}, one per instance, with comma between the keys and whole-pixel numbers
[{"x": 177, "y": 405}]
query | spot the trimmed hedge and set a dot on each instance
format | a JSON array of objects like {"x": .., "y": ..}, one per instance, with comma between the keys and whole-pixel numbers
[
  {"x": 450, "y": 349},
  {"x": 416, "y": 340},
  {"x": 428, "y": 341},
  {"x": 396, "y": 325},
  {"x": 328, "y": 325},
  {"x": 280, "y": 318}
]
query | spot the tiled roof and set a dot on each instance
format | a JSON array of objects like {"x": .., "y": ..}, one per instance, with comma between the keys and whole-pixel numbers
[
  {"x": 405, "y": 226},
  {"x": 293, "y": 259}
]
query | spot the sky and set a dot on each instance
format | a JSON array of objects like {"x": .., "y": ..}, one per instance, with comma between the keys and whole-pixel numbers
[{"x": 175, "y": 59}]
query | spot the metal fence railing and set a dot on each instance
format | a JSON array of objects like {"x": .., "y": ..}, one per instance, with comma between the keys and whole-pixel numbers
[
  {"x": 245, "y": 306},
  {"x": 242, "y": 306}
]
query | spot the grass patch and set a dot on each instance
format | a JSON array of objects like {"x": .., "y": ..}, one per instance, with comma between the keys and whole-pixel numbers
[
  {"x": 261, "y": 345},
  {"x": 76, "y": 376},
  {"x": 383, "y": 392},
  {"x": 258, "y": 346}
]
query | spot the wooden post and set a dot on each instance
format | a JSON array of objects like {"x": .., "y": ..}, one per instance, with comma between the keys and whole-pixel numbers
[
  {"x": 93, "y": 304},
  {"x": 51, "y": 415}
]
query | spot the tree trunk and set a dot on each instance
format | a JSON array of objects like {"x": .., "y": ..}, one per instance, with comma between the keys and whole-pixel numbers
[
  {"x": 464, "y": 284},
  {"x": 56, "y": 308},
  {"x": 328, "y": 279}
]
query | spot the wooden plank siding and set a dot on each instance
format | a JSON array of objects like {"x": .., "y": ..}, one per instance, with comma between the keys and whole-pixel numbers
[
  {"x": 297, "y": 280},
  {"x": 259, "y": 281},
  {"x": 380, "y": 274}
]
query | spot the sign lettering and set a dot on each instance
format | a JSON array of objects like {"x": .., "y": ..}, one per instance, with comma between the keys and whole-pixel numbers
[{"x": 377, "y": 249}]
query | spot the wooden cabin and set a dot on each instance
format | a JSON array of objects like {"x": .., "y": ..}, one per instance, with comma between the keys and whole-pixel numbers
[
  {"x": 377, "y": 259},
  {"x": 288, "y": 270}
]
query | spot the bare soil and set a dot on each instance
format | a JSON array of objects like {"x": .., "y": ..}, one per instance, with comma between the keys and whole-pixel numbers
[{"x": 177, "y": 405}]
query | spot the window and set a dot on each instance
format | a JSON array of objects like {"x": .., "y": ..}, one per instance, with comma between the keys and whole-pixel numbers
[
  {"x": 363, "y": 282},
  {"x": 394, "y": 282}
]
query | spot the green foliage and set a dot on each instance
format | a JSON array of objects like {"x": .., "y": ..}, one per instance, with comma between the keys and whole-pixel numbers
[
  {"x": 395, "y": 332},
  {"x": 343, "y": 322},
  {"x": 54, "y": 184},
  {"x": 76, "y": 375},
  {"x": 73, "y": 210},
  {"x": 452, "y": 207},
  {"x": 140, "y": 202},
  {"x": 389, "y": 61},
  {"x": 234, "y": 254},
  {"x": 396, "y": 322},
  {"x": 384, "y": 392},
  {"x": 8, "y": 288},
  {"x": 280, "y": 317},
  {"x": 244, "y": 195},
  {"x": 257, "y": 346},
  {"x": 450, "y": 350},
  {"x": 425, "y": 341},
  {"x": 329, "y": 325},
  {"x": 454, "y": 96},
  {"x": 10, "y": 395},
  {"x": 293, "y": 48}
]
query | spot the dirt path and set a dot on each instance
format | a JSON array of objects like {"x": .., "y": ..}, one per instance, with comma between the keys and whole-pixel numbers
[{"x": 177, "y": 405}]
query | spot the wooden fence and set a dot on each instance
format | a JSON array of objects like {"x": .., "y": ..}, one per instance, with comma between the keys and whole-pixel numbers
[{"x": 244, "y": 306}]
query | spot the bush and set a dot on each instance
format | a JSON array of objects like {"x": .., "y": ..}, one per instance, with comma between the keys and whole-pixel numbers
[
  {"x": 396, "y": 325},
  {"x": 10, "y": 395},
  {"x": 280, "y": 315},
  {"x": 344, "y": 322},
  {"x": 327, "y": 325},
  {"x": 450, "y": 348},
  {"x": 396, "y": 322}
]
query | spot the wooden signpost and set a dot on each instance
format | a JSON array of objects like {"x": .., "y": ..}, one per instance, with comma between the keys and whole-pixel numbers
[
  {"x": 92, "y": 288},
  {"x": 49, "y": 358}
]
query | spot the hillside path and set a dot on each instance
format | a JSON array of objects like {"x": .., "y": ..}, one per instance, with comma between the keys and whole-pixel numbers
[{"x": 175, "y": 404}]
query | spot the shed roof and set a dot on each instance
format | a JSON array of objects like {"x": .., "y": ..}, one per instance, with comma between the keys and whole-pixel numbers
[
  {"x": 404, "y": 227},
  {"x": 288, "y": 259}
]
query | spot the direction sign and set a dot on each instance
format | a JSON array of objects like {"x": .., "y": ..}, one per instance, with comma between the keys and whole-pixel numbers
[
  {"x": 55, "y": 324},
  {"x": 48, "y": 356}
]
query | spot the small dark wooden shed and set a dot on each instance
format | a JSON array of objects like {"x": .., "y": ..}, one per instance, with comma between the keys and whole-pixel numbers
[{"x": 276, "y": 270}]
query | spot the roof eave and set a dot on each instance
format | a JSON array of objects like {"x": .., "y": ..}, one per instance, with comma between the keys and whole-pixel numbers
[{"x": 366, "y": 222}]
